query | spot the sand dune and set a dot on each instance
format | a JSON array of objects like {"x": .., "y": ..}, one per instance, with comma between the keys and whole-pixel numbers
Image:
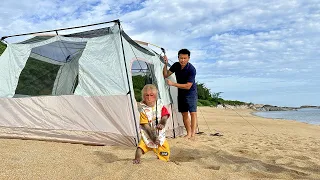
[{"x": 251, "y": 148}]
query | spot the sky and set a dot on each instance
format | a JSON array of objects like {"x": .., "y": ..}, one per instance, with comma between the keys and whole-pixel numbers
[{"x": 264, "y": 52}]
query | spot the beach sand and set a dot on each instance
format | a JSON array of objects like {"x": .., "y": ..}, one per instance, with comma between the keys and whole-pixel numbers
[{"x": 251, "y": 148}]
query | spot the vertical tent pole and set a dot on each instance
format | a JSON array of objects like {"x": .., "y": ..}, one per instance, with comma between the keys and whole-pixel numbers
[
  {"x": 171, "y": 100},
  {"x": 130, "y": 92},
  {"x": 171, "y": 104},
  {"x": 174, "y": 131}
]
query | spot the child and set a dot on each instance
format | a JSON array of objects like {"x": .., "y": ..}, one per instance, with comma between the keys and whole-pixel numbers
[{"x": 153, "y": 118}]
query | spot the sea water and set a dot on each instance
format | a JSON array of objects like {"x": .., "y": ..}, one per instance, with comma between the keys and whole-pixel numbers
[{"x": 307, "y": 115}]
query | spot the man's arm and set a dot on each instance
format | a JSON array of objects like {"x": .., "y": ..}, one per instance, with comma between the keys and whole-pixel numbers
[
  {"x": 166, "y": 72},
  {"x": 181, "y": 86},
  {"x": 188, "y": 85}
]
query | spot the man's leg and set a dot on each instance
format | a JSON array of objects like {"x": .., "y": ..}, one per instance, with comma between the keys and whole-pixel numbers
[
  {"x": 183, "y": 108},
  {"x": 193, "y": 123},
  {"x": 186, "y": 121},
  {"x": 193, "y": 112}
]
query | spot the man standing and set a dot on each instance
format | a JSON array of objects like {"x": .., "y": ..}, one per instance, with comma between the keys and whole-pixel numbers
[{"x": 187, "y": 89}]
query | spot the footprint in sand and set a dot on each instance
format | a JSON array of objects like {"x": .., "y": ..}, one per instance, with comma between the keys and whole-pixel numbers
[
  {"x": 238, "y": 163},
  {"x": 107, "y": 157},
  {"x": 201, "y": 158}
]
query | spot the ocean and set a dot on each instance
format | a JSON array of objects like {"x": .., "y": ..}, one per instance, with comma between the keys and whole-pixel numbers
[{"x": 307, "y": 115}]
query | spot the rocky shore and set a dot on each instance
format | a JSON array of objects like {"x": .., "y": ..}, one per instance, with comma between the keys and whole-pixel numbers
[{"x": 264, "y": 107}]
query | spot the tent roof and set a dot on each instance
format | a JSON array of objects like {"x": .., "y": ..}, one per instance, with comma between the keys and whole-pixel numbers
[
  {"x": 91, "y": 34},
  {"x": 84, "y": 34}
]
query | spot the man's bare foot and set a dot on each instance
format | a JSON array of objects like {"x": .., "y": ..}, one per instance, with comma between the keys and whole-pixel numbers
[
  {"x": 187, "y": 136},
  {"x": 136, "y": 161},
  {"x": 193, "y": 138}
]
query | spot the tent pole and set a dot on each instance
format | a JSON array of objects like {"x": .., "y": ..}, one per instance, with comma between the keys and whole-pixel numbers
[
  {"x": 171, "y": 103},
  {"x": 56, "y": 30},
  {"x": 174, "y": 131},
  {"x": 130, "y": 92},
  {"x": 4, "y": 41}
]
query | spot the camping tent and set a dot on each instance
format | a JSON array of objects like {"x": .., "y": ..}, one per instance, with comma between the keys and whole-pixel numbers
[{"x": 78, "y": 88}]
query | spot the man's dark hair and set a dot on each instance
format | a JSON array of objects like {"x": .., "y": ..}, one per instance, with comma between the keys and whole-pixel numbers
[{"x": 184, "y": 51}]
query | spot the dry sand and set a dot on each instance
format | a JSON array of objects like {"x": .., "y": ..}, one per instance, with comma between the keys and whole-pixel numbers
[{"x": 251, "y": 148}]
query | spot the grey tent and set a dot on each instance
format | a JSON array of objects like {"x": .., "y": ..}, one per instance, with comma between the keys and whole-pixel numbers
[{"x": 81, "y": 88}]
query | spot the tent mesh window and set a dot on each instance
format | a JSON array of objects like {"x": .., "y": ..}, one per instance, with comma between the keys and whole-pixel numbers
[
  {"x": 142, "y": 74},
  {"x": 37, "y": 78},
  {"x": 75, "y": 84},
  {"x": 51, "y": 69}
]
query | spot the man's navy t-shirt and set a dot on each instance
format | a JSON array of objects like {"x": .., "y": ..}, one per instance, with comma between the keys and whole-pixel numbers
[{"x": 187, "y": 74}]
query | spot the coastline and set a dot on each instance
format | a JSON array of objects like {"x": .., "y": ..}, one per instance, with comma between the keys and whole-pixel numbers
[
  {"x": 280, "y": 118},
  {"x": 266, "y": 108},
  {"x": 253, "y": 114}
]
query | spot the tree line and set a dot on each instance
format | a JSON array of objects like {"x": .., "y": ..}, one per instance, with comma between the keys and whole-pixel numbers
[
  {"x": 2, "y": 47},
  {"x": 205, "y": 97}
]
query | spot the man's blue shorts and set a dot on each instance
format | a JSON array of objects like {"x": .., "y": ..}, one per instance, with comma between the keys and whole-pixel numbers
[{"x": 187, "y": 103}]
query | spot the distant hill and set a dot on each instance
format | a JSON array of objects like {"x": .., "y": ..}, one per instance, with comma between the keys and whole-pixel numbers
[
  {"x": 2, "y": 47},
  {"x": 310, "y": 106}
]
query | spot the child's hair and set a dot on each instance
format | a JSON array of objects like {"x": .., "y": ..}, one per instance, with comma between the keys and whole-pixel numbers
[{"x": 149, "y": 86}]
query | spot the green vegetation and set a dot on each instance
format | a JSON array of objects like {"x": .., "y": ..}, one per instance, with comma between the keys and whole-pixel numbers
[
  {"x": 37, "y": 78},
  {"x": 2, "y": 47},
  {"x": 138, "y": 83},
  {"x": 205, "y": 98}
]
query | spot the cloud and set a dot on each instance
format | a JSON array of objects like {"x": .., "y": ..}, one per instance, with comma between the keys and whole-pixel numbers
[{"x": 266, "y": 46}]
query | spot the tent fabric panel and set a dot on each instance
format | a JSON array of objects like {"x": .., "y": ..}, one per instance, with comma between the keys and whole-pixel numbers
[
  {"x": 93, "y": 33},
  {"x": 61, "y": 51},
  {"x": 83, "y": 137},
  {"x": 173, "y": 125},
  {"x": 111, "y": 114},
  {"x": 45, "y": 59},
  {"x": 136, "y": 45},
  {"x": 102, "y": 77},
  {"x": 35, "y": 39},
  {"x": 58, "y": 38},
  {"x": 162, "y": 85},
  {"x": 83, "y": 34},
  {"x": 158, "y": 64},
  {"x": 176, "y": 132},
  {"x": 132, "y": 54},
  {"x": 66, "y": 78},
  {"x": 178, "y": 120},
  {"x": 12, "y": 61},
  {"x": 101, "y": 68}
]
